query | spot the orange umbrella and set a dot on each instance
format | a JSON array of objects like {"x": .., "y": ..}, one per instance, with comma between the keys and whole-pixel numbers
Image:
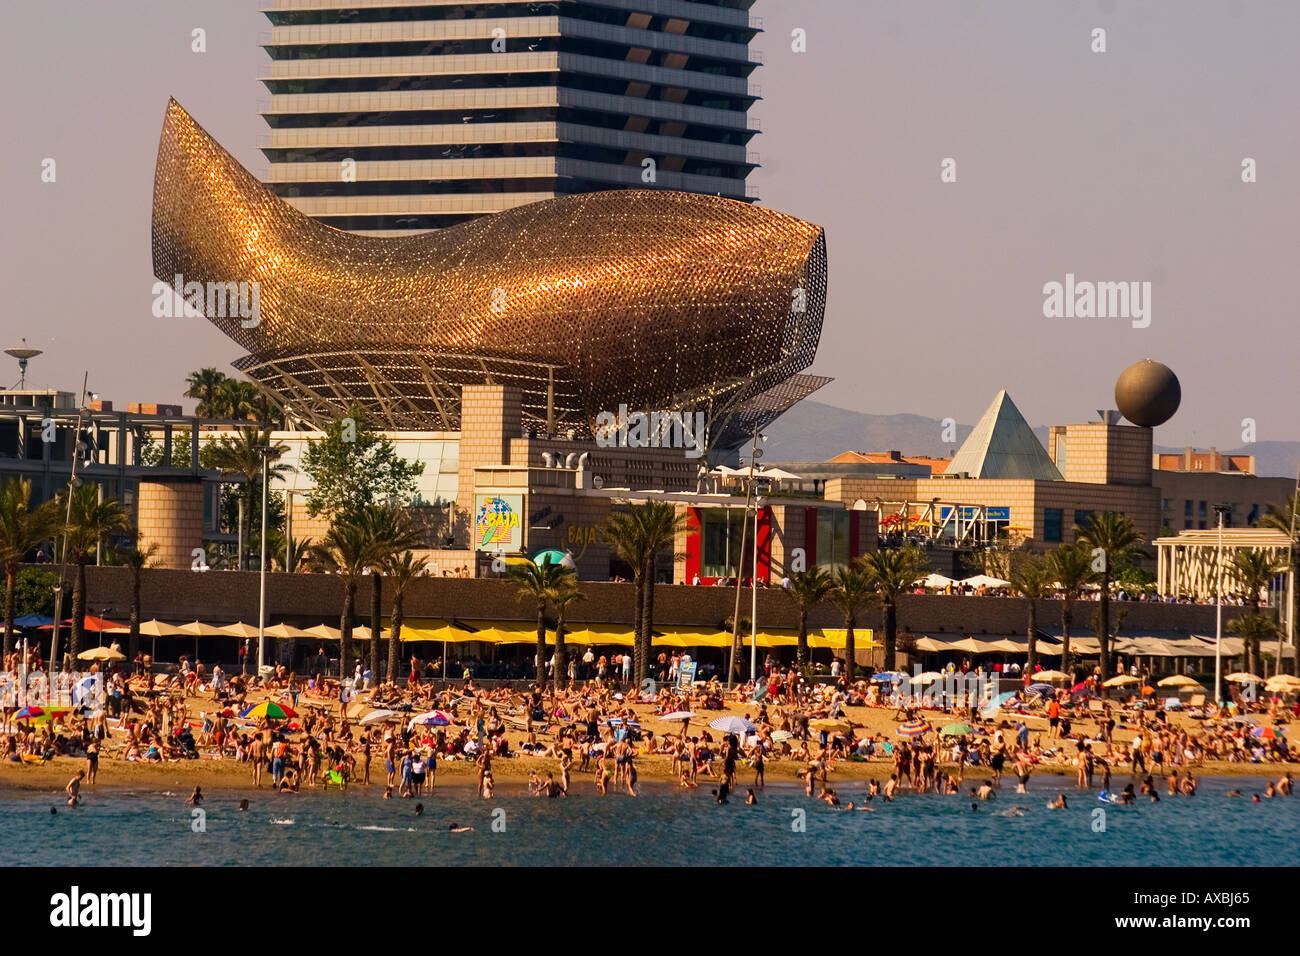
[{"x": 92, "y": 624}]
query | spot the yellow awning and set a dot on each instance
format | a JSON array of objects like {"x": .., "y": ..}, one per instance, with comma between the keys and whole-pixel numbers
[{"x": 603, "y": 635}]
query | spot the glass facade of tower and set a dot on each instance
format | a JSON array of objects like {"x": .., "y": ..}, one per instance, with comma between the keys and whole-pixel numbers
[{"x": 396, "y": 116}]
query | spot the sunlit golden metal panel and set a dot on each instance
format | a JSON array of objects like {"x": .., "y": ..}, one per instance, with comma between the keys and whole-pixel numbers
[{"x": 649, "y": 298}]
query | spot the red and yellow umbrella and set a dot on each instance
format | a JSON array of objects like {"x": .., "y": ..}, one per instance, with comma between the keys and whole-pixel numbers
[{"x": 270, "y": 710}]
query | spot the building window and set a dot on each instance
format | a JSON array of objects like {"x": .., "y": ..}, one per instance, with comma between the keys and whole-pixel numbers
[
  {"x": 832, "y": 539},
  {"x": 1081, "y": 518},
  {"x": 1187, "y": 509},
  {"x": 1052, "y": 518},
  {"x": 720, "y": 548},
  {"x": 1201, "y": 511}
]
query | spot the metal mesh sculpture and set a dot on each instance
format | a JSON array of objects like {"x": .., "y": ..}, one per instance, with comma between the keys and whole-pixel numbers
[{"x": 647, "y": 298}]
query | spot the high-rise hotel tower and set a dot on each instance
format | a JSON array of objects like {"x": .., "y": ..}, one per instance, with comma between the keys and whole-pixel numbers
[{"x": 396, "y": 116}]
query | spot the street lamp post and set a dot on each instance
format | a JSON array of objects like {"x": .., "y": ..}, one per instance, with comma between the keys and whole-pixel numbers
[
  {"x": 261, "y": 599},
  {"x": 67, "y": 520},
  {"x": 1219, "y": 510},
  {"x": 755, "y": 454},
  {"x": 753, "y": 610}
]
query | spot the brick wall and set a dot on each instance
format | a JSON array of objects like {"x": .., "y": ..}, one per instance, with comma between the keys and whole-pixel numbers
[{"x": 225, "y": 596}]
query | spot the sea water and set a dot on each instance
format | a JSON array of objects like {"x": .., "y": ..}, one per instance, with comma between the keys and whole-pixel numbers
[{"x": 666, "y": 827}]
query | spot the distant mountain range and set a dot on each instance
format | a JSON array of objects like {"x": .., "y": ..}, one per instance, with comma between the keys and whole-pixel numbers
[{"x": 812, "y": 431}]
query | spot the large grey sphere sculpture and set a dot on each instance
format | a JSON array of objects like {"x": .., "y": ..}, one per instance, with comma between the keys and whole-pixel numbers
[{"x": 1147, "y": 393}]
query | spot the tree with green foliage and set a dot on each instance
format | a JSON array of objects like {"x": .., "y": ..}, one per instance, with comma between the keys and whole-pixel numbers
[
  {"x": 389, "y": 532},
  {"x": 1031, "y": 578},
  {"x": 354, "y": 466},
  {"x": 638, "y": 535},
  {"x": 1253, "y": 570},
  {"x": 536, "y": 583},
  {"x": 891, "y": 573},
  {"x": 240, "y": 455},
  {"x": 344, "y": 551},
  {"x": 851, "y": 595},
  {"x": 92, "y": 524},
  {"x": 1286, "y": 518},
  {"x": 23, "y": 528},
  {"x": 1112, "y": 541},
  {"x": 136, "y": 558},
  {"x": 808, "y": 589},
  {"x": 1071, "y": 567},
  {"x": 1253, "y": 629},
  {"x": 561, "y": 595},
  {"x": 401, "y": 570}
]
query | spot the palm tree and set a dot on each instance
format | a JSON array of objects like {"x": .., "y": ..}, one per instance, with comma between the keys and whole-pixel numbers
[
  {"x": 389, "y": 532},
  {"x": 638, "y": 535},
  {"x": 345, "y": 551},
  {"x": 892, "y": 573},
  {"x": 852, "y": 593},
  {"x": 538, "y": 581},
  {"x": 1071, "y": 566},
  {"x": 241, "y": 456},
  {"x": 137, "y": 559},
  {"x": 1253, "y": 629},
  {"x": 808, "y": 589},
  {"x": 1113, "y": 542},
  {"x": 22, "y": 528},
  {"x": 276, "y": 545},
  {"x": 91, "y": 524},
  {"x": 401, "y": 570},
  {"x": 204, "y": 385},
  {"x": 561, "y": 596},
  {"x": 1286, "y": 519},
  {"x": 1032, "y": 579},
  {"x": 1253, "y": 570}
]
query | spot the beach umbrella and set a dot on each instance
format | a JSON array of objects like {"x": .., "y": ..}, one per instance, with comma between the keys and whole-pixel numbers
[
  {"x": 434, "y": 718},
  {"x": 1049, "y": 676},
  {"x": 1178, "y": 680},
  {"x": 886, "y": 677},
  {"x": 1268, "y": 733},
  {"x": 270, "y": 710},
  {"x": 733, "y": 725},
  {"x": 956, "y": 730},
  {"x": 1041, "y": 688},
  {"x": 915, "y": 728},
  {"x": 992, "y": 707},
  {"x": 1241, "y": 677},
  {"x": 1120, "y": 680},
  {"x": 678, "y": 715},
  {"x": 1282, "y": 683},
  {"x": 830, "y": 725},
  {"x": 101, "y": 654},
  {"x": 928, "y": 677},
  {"x": 30, "y": 713},
  {"x": 377, "y": 716},
  {"x": 779, "y": 735}
]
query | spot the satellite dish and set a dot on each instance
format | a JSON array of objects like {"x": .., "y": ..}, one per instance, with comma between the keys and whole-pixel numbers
[{"x": 22, "y": 352}]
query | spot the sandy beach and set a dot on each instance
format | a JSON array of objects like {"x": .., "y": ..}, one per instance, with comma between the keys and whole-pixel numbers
[{"x": 229, "y": 774}]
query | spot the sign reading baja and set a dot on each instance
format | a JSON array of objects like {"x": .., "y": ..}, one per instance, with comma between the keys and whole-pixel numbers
[{"x": 497, "y": 525}]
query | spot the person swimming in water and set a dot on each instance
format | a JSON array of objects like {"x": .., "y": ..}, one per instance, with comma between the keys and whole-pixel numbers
[
  {"x": 1059, "y": 803},
  {"x": 243, "y": 804},
  {"x": 453, "y": 828},
  {"x": 196, "y": 797},
  {"x": 419, "y": 809},
  {"x": 750, "y": 799}
]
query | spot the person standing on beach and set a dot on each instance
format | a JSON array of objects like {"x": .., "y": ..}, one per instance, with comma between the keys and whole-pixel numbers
[
  {"x": 390, "y": 759},
  {"x": 92, "y": 760},
  {"x": 258, "y": 757}
]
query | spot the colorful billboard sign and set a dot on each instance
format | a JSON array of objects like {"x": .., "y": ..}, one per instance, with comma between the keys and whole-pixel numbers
[{"x": 498, "y": 522}]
